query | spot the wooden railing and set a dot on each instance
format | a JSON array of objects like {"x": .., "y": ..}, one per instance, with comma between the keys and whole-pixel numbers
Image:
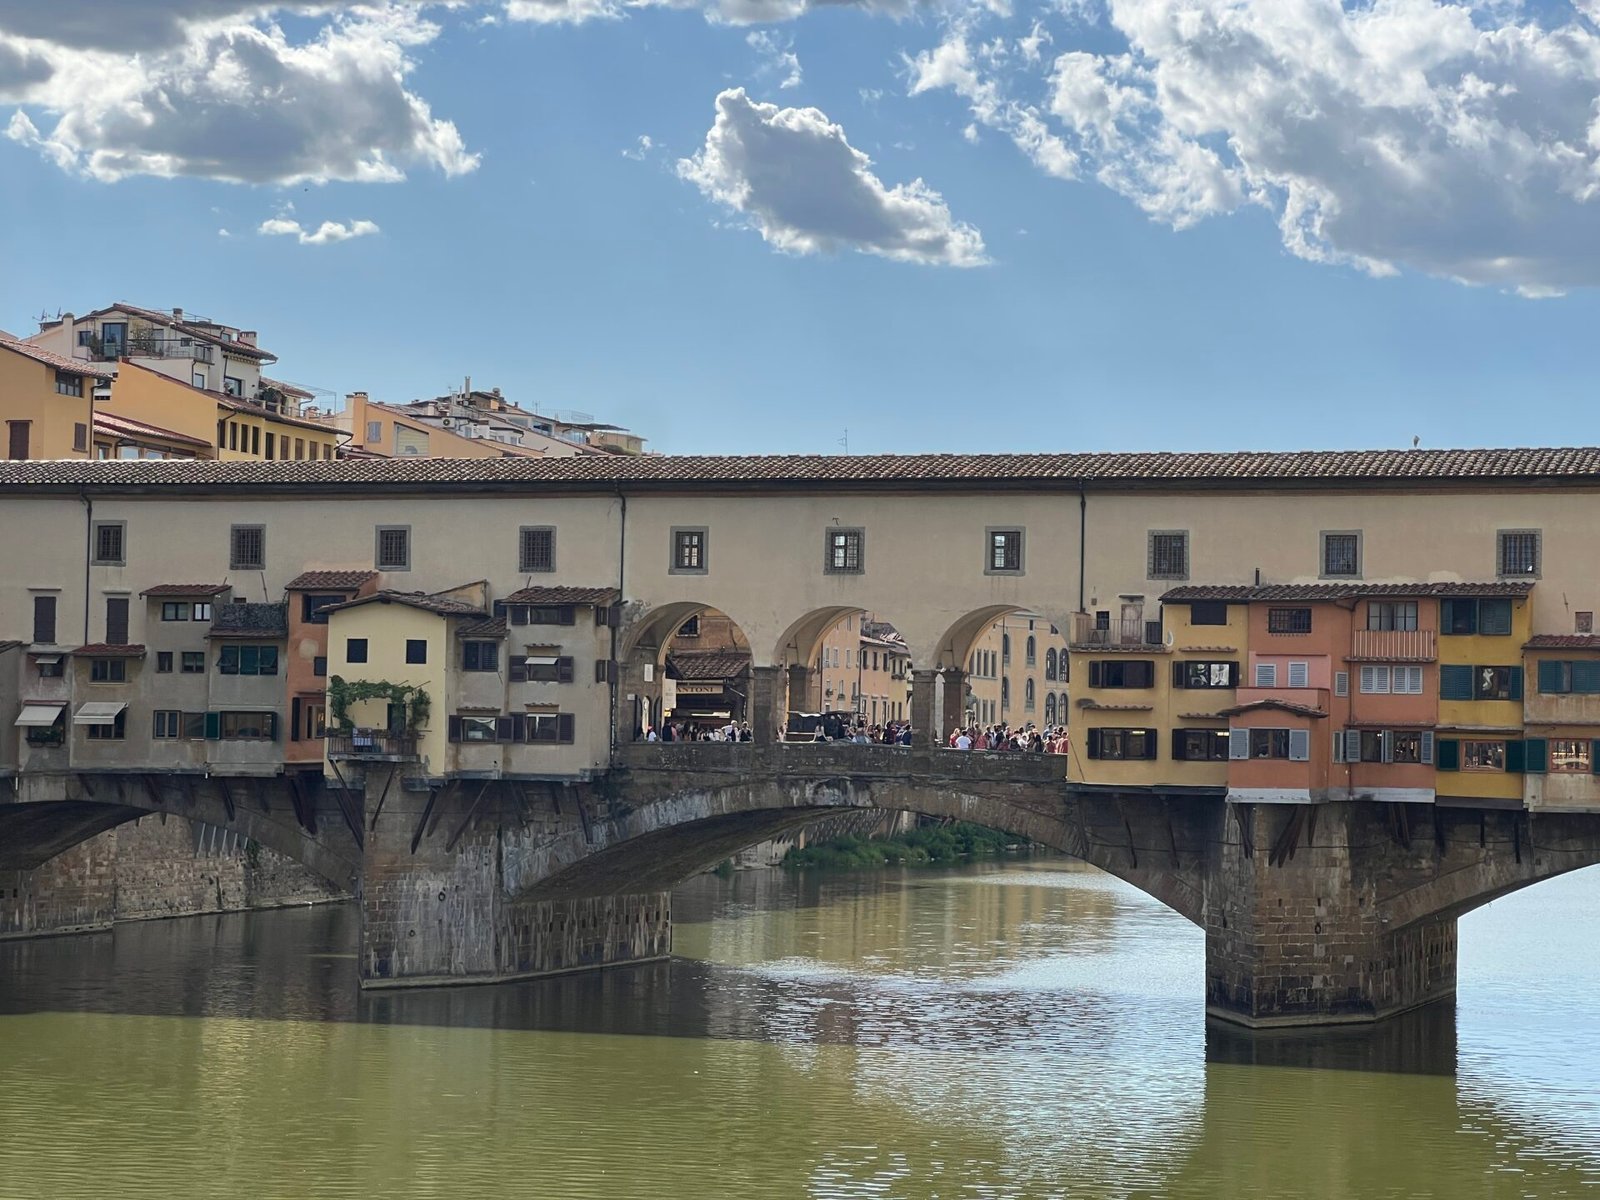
[{"x": 1394, "y": 645}]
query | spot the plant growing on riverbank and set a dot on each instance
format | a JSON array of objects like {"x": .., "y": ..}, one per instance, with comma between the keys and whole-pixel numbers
[{"x": 928, "y": 844}]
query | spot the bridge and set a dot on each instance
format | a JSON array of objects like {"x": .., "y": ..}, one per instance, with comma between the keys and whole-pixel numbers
[{"x": 1313, "y": 914}]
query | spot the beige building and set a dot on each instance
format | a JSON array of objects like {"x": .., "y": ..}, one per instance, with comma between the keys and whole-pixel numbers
[
  {"x": 786, "y": 548},
  {"x": 1017, "y": 673}
]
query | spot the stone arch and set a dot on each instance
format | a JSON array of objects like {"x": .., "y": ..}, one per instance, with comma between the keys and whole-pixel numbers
[
  {"x": 884, "y": 692},
  {"x": 688, "y": 642}
]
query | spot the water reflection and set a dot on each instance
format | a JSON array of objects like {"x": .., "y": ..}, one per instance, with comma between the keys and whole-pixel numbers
[{"x": 1030, "y": 1030}]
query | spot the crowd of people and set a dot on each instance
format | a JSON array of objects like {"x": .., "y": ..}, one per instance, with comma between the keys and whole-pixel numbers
[
  {"x": 684, "y": 731},
  {"x": 1052, "y": 739}
]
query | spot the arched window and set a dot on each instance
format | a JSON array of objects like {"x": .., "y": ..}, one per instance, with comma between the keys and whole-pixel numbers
[
  {"x": 1063, "y": 708},
  {"x": 1005, "y": 647},
  {"x": 1050, "y": 663},
  {"x": 1049, "y": 708},
  {"x": 1027, "y": 695},
  {"x": 1032, "y": 650},
  {"x": 1005, "y": 694}
]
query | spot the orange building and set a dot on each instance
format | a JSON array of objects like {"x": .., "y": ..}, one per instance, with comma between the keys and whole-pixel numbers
[{"x": 306, "y": 671}]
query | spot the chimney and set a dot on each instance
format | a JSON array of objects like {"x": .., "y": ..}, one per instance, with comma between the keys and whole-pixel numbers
[
  {"x": 247, "y": 336},
  {"x": 177, "y": 314}
]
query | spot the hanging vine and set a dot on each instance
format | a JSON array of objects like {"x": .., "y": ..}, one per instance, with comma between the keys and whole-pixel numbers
[{"x": 342, "y": 693}]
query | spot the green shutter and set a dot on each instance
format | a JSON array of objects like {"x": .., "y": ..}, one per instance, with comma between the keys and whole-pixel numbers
[
  {"x": 1594, "y": 758},
  {"x": 1516, "y": 683},
  {"x": 1550, "y": 677},
  {"x": 1449, "y": 754},
  {"x": 1455, "y": 683},
  {"x": 1535, "y": 755},
  {"x": 272, "y": 726},
  {"x": 1586, "y": 676},
  {"x": 213, "y": 726},
  {"x": 1516, "y": 757}
]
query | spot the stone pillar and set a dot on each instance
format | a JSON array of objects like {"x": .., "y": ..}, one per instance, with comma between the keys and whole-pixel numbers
[
  {"x": 1303, "y": 940},
  {"x": 924, "y": 710},
  {"x": 799, "y": 688},
  {"x": 766, "y": 704},
  {"x": 952, "y": 696}
]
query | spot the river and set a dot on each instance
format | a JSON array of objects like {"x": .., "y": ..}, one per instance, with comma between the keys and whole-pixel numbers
[{"x": 1029, "y": 1029}]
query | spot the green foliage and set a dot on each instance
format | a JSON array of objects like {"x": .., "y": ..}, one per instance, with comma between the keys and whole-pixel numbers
[
  {"x": 724, "y": 869},
  {"x": 926, "y": 844},
  {"x": 342, "y": 693}
]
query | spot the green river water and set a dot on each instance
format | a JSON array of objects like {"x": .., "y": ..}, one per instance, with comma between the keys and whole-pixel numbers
[{"x": 1010, "y": 1030}]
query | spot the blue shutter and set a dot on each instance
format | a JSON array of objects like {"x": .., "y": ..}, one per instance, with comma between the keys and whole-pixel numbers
[
  {"x": 1586, "y": 676},
  {"x": 1535, "y": 755},
  {"x": 1550, "y": 677},
  {"x": 213, "y": 726},
  {"x": 1594, "y": 758},
  {"x": 1516, "y": 683},
  {"x": 1449, "y": 754},
  {"x": 1455, "y": 683},
  {"x": 1238, "y": 743},
  {"x": 1427, "y": 748},
  {"x": 1516, "y": 757}
]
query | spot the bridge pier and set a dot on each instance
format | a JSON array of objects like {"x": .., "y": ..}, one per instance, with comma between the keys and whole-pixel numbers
[{"x": 1299, "y": 928}]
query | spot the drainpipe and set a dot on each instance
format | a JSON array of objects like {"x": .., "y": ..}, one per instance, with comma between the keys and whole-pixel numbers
[
  {"x": 88, "y": 557},
  {"x": 1083, "y": 526},
  {"x": 622, "y": 577}
]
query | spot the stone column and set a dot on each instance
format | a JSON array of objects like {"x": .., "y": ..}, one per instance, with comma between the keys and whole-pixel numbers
[
  {"x": 766, "y": 703},
  {"x": 952, "y": 695},
  {"x": 799, "y": 688},
  {"x": 924, "y": 710},
  {"x": 1304, "y": 940}
]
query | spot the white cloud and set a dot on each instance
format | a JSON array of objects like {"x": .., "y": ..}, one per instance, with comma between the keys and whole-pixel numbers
[
  {"x": 1457, "y": 137},
  {"x": 777, "y": 56},
  {"x": 791, "y": 173},
  {"x": 322, "y": 235},
  {"x": 238, "y": 101},
  {"x": 641, "y": 149}
]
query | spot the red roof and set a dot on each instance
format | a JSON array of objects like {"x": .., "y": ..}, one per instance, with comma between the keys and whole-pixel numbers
[
  {"x": 1244, "y": 593},
  {"x": 1563, "y": 641},
  {"x": 1303, "y": 710},
  {"x": 316, "y": 581},
  {"x": 106, "y": 650},
  {"x": 439, "y": 605},
  {"x": 68, "y": 366},
  {"x": 188, "y": 589},
  {"x": 563, "y": 595},
  {"x": 196, "y": 330},
  {"x": 128, "y": 427}
]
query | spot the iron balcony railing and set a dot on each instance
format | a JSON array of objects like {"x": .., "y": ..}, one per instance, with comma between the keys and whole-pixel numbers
[
  {"x": 371, "y": 743},
  {"x": 1091, "y": 631},
  {"x": 136, "y": 346}
]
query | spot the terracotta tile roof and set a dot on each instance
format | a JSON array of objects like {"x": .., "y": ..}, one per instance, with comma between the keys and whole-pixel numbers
[
  {"x": 441, "y": 606},
  {"x": 1246, "y": 593},
  {"x": 10, "y": 644},
  {"x": 167, "y": 321},
  {"x": 188, "y": 589},
  {"x": 250, "y": 620},
  {"x": 1303, "y": 710},
  {"x": 1563, "y": 641},
  {"x": 316, "y": 581},
  {"x": 494, "y": 627},
  {"x": 106, "y": 650},
  {"x": 288, "y": 389},
  {"x": 708, "y": 664},
  {"x": 68, "y": 366},
  {"x": 563, "y": 595},
  {"x": 1095, "y": 706},
  {"x": 964, "y": 472},
  {"x": 128, "y": 427}
]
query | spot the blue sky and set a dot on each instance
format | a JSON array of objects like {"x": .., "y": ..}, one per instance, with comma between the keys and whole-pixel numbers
[{"x": 746, "y": 283}]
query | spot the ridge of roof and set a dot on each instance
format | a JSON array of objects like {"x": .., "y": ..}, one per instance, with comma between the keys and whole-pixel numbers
[
  {"x": 438, "y": 605},
  {"x": 1244, "y": 593},
  {"x": 49, "y": 358}
]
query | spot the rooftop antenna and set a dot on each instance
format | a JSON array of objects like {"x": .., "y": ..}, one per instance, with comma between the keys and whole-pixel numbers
[
  {"x": 845, "y": 441},
  {"x": 1416, "y": 440}
]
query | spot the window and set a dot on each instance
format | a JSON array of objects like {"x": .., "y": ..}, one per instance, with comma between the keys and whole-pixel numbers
[
  {"x": 299, "y": 448},
  {"x": 1122, "y": 744},
  {"x": 108, "y": 543},
  {"x": 844, "y": 552},
  {"x": 1167, "y": 554},
  {"x": 1205, "y": 674},
  {"x": 1483, "y": 756},
  {"x": 193, "y": 662},
  {"x": 355, "y": 650},
  {"x": 1384, "y": 680},
  {"x": 44, "y": 620},
  {"x": 17, "y": 433},
  {"x": 1102, "y": 619},
  {"x": 248, "y": 660},
  {"x": 1134, "y": 673},
  {"x": 255, "y": 440},
  {"x": 1269, "y": 743},
  {"x": 313, "y": 606},
  {"x": 117, "y": 620},
  {"x": 1005, "y": 552},
  {"x": 1519, "y": 553},
  {"x": 80, "y": 436},
  {"x": 1581, "y": 677},
  {"x": 198, "y": 378},
  {"x": 1341, "y": 683},
  {"x": 247, "y": 726},
  {"x": 536, "y": 549},
  {"x": 1005, "y": 694},
  {"x": 108, "y": 670},
  {"x": 168, "y": 723},
  {"x": 247, "y": 548},
  {"x": 1341, "y": 554},
  {"x": 68, "y": 384},
  {"x": 164, "y": 662},
  {"x": 1571, "y": 754},
  {"x": 1488, "y": 617},
  {"x": 1299, "y": 675},
  {"x": 1208, "y": 612},
  {"x": 480, "y": 656},
  {"x": 272, "y": 443},
  {"x": 1030, "y": 656},
  {"x": 1050, "y": 663},
  {"x": 1392, "y": 614},
  {"x": 1497, "y": 683},
  {"x": 1288, "y": 620},
  {"x": 1266, "y": 675},
  {"x": 550, "y": 727},
  {"x": 374, "y": 433},
  {"x": 394, "y": 548},
  {"x": 688, "y": 551},
  {"x": 1200, "y": 745},
  {"x": 1049, "y": 708},
  {"x": 1005, "y": 647},
  {"x": 543, "y": 665},
  {"x": 416, "y": 651},
  {"x": 234, "y": 386},
  {"x": 319, "y": 666},
  {"x": 202, "y": 611},
  {"x": 175, "y": 610},
  {"x": 1027, "y": 696},
  {"x": 114, "y": 732},
  {"x": 1583, "y": 622}
]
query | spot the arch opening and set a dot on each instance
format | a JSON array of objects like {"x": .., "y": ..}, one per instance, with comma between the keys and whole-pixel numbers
[
  {"x": 1014, "y": 665},
  {"x": 687, "y": 673}
]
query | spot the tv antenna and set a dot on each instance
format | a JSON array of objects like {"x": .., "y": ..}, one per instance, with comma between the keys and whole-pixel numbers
[{"x": 845, "y": 441}]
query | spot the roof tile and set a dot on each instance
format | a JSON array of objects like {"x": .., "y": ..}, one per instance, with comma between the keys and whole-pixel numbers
[
  {"x": 316, "y": 581},
  {"x": 439, "y": 605},
  {"x": 563, "y": 595},
  {"x": 107, "y": 650},
  {"x": 1246, "y": 593},
  {"x": 188, "y": 589}
]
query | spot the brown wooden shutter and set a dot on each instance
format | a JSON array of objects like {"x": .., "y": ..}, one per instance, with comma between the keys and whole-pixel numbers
[
  {"x": 565, "y": 727},
  {"x": 519, "y": 727},
  {"x": 117, "y": 620},
  {"x": 44, "y": 619},
  {"x": 504, "y": 729},
  {"x": 454, "y": 733},
  {"x": 517, "y": 671},
  {"x": 563, "y": 670},
  {"x": 294, "y": 719}
]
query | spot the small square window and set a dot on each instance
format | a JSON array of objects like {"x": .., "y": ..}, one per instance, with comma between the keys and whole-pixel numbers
[
  {"x": 109, "y": 548},
  {"x": 163, "y": 662},
  {"x": 247, "y": 548},
  {"x": 1583, "y": 622},
  {"x": 1167, "y": 555},
  {"x": 1519, "y": 554},
  {"x": 355, "y": 650},
  {"x": 844, "y": 552},
  {"x": 1288, "y": 620},
  {"x": 689, "y": 551},
  {"x": 1341, "y": 555},
  {"x": 536, "y": 549},
  {"x": 416, "y": 650},
  {"x": 394, "y": 548},
  {"x": 319, "y": 666},
  {"x": 194, "y": 662},
  {"x": 175, "y": 610},
  {"x": 1004, "y": 552},
  {"x": 108, "y": 670},
  {"x": 1207, "y": 612}
]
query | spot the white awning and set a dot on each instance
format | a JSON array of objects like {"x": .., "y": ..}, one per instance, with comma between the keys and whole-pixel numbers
[
  {"x": 41, "y": 715},
  {"x": 540, "y": 660},
  {"x": 47, "y": 660},
  {"x": 99, "y": 712}
]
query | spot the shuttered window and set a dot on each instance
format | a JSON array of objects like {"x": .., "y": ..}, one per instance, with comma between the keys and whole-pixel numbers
[
  {"x": 44, "y": 619},
  {"x": 1266, "y": 675},
  {"x": 1122, "y": 744},
  {"x": 117, "y": 620},
  {"x": 1299, "y": 675}
]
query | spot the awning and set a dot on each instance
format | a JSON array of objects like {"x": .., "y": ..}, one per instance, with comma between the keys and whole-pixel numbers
[
  {"x": 541, "y": 660},
  {"x": 99, "y": 712},
  {"x": 47, "y": 660},
  {"x": 39, "y": 715}
]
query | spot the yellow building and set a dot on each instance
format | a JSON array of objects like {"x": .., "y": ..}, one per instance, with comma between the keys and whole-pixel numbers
[
  {"x": 47, "y": 401},
  {"x": 1017, "y": 673},
  {"x": 1481, "y": 755},
  {"x": 266, "y": 428}
]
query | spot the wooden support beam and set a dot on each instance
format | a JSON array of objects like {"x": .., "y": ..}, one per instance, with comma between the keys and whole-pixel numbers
[
  {"x": 344, "y": 797},
  {"x": 227, "y": 798},
  {"x": 450, "y": 791},
  {"x": 306, "y": 805},
  {"x": 384, "y": 795},
  {"x": 520, "y": 801},
  {"x": 259, "y": 786},
  {"x": 1288, "y": 840},
  {"x": 86, "y": 783},
  {"x": 1241, "y": 817},
  {"x": 455, "y": 837},
  {"x": 427, "y": 811},
  {"x": 152, "y": 790},
  {"x": 1172, "y": 842},
  {"x": 188, "y": 790}
]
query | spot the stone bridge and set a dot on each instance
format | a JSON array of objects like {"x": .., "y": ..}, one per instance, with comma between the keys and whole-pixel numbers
[{"x": 1313, "y": 914}]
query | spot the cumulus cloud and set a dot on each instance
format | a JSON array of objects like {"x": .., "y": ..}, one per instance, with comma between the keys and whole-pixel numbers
[
  {"x": 20, "y": 68},
  {"x": 239, "y": 101},
  {"x": 1456, "y": 137},
  {"x": 791, "y": 173},
  {"x": 322, "y": 235}
]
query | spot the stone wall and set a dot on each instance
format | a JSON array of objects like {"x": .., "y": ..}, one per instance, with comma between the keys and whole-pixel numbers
[{"x": 149, "y": 868}]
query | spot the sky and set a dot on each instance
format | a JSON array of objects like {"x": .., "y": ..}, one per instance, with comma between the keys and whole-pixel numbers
[{"x": 806, "y": 226}]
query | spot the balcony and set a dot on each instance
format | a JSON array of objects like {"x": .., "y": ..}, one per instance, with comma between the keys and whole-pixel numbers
[
  {"x": 146, "y": 346},
  {"x": 1394, "y": 645},
  {"x": 1132, "y": 633},
  {"x": 371, "y": 745}
]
